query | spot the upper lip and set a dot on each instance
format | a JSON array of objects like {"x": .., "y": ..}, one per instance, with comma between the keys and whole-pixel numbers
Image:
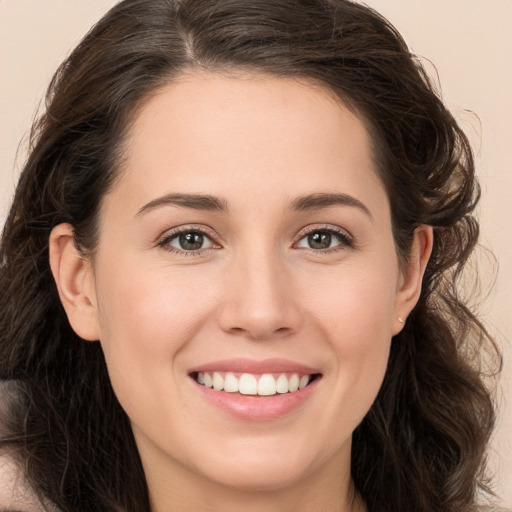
[{"x": 255, "y": 366}]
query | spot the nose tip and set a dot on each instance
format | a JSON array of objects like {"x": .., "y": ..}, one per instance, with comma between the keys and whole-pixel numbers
[
  {"x": 260, "y": 305},
  {"x": 259, "y": 335}
]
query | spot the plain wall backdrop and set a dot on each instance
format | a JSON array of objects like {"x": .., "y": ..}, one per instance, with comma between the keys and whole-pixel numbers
[{"x": 469, "y": 42}]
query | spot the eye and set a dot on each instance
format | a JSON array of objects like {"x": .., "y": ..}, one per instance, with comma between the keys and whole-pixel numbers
[
  {"x": 190, "y": 240},
  {"x": 323, "y": 239}
]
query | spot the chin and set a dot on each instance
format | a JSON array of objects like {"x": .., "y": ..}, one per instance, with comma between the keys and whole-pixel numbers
[
  {"x": 270, "y": 468},
  {"x": 269, "y": 477}
]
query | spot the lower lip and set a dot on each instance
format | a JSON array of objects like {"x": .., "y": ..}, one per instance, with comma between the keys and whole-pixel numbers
[{"x": 258, "y": 408}]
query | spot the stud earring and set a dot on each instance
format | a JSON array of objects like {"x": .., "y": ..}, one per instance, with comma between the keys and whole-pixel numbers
[{"x": 401, "y": 320}]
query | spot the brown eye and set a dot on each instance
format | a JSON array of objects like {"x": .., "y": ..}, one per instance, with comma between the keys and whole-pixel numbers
[
  {"x": 319, "y": 240},
  {"x": 189, "y": 241},
  {"x": 323, "y": 239}
]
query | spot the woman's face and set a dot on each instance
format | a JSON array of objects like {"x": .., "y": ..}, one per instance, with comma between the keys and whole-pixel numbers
[{"x": 249, "y": 235}]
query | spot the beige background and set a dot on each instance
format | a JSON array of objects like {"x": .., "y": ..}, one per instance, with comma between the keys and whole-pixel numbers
[{"x": 470, "y": 43}]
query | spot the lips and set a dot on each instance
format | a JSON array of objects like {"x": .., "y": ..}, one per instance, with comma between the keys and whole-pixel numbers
[
  {"x": 254, "y": 366},
  {"x": 256, "y": 390}
]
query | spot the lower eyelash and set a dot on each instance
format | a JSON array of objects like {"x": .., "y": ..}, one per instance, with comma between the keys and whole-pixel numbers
[
  {"x": 164, "y": 243},
  {"x": 345, "y": 239},
  {"x": 342, "y": 236},
  {"x": 173, "y": 250}
]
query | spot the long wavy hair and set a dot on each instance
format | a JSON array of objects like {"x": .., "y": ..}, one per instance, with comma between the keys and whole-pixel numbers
[{"x": 422, "y": 445}]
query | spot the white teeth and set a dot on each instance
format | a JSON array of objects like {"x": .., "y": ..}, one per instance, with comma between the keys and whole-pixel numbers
[
  {"x": 267, "y": 385},
  {"x": 218, "y": 382},
  {"x": 282, "y": 384},
  {"x": 304, "y": 381},
  {"x": 208, "y": 380},
  {"x": 230, "y": 383},
  {"x": 248, "y": 384},
  {"x": 293, "y": 383}
]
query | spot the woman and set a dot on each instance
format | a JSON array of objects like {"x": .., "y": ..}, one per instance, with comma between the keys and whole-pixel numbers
[{"x": 229, "y": 274}]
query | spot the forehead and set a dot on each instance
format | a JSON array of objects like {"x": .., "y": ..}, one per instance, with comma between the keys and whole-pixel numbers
[{"x": 249, "y": 134}]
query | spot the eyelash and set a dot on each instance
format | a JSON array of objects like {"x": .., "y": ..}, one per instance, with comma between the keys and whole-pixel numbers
[
  {"x": 165, "y": 240},
  {"x": 345, "y": 239}
]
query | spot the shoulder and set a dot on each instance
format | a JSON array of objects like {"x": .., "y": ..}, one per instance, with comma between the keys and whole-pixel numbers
[
  {"x": 15, "y": 494},
  {"x": 493, "y": 508}
]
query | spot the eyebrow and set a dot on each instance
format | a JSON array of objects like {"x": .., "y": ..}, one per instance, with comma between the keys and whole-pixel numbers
[
  {"x": 210, "y": 203},
  {"x": 194, "y": 201},
  {"x": 323, "y": 200}
]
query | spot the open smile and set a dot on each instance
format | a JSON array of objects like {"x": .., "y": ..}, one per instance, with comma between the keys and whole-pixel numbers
[
  {"x": 266, "y": 384},
  {"x": 256, "y": 390}
]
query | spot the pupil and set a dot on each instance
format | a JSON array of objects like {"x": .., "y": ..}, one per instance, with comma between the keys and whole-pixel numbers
[
  {"x": 191, "y": 241},
  {"x": 320, "y": 240}
]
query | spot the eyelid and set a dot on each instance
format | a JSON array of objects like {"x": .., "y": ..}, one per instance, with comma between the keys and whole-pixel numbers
[
  {"x": 347, "y": 239},
  {"x": 163, "y": 239}
]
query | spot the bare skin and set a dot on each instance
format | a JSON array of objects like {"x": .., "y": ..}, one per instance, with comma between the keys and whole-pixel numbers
[
  {"x": 16, "y": 494},
  {"x": 292, "y": 258}
]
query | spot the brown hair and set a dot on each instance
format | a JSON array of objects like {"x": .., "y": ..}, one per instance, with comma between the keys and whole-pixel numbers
[{"x": 422, "y": 445}]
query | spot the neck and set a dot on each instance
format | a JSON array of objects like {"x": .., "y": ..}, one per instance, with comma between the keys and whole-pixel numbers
[{"x": 214, "y": 498}]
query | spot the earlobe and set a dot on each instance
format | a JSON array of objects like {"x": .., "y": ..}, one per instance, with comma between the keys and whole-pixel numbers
[
  {"x": 411, "y": 277},
  {"x": 74, "y": 278}
]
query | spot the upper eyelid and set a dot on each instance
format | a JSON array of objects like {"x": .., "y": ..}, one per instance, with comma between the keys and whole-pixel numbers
[
  {"x": 346, "y": 238},
  {"x": 164, "y": 240},
  {"x": 323, "y": 227},
  {"x": 215, "y": 238},
  {"x": 184, "y": 228}
]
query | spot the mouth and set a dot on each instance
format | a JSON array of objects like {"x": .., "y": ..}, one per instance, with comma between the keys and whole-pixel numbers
[
  {"x": 266, "y": 384},
  {"x": 256, "y": 390}
]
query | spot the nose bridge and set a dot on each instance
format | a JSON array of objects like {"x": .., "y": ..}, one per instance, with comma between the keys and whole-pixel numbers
[{"x": 259, "y": 298}]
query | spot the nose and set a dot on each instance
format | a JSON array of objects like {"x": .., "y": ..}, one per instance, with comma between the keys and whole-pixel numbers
[{"x": 259, "y": 301}]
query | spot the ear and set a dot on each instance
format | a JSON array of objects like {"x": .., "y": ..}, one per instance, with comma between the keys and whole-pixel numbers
[
  {"x": 411, "y": 276},
  {"x": 74, "y": 276}
]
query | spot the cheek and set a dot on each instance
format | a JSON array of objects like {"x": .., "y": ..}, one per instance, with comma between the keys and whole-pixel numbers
[
  {"x": 146, "y": 318},
  {"x": 356, "y": 305},
  {"x": 356, "y": 315},
  {"x": 149, "y": 307}
]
